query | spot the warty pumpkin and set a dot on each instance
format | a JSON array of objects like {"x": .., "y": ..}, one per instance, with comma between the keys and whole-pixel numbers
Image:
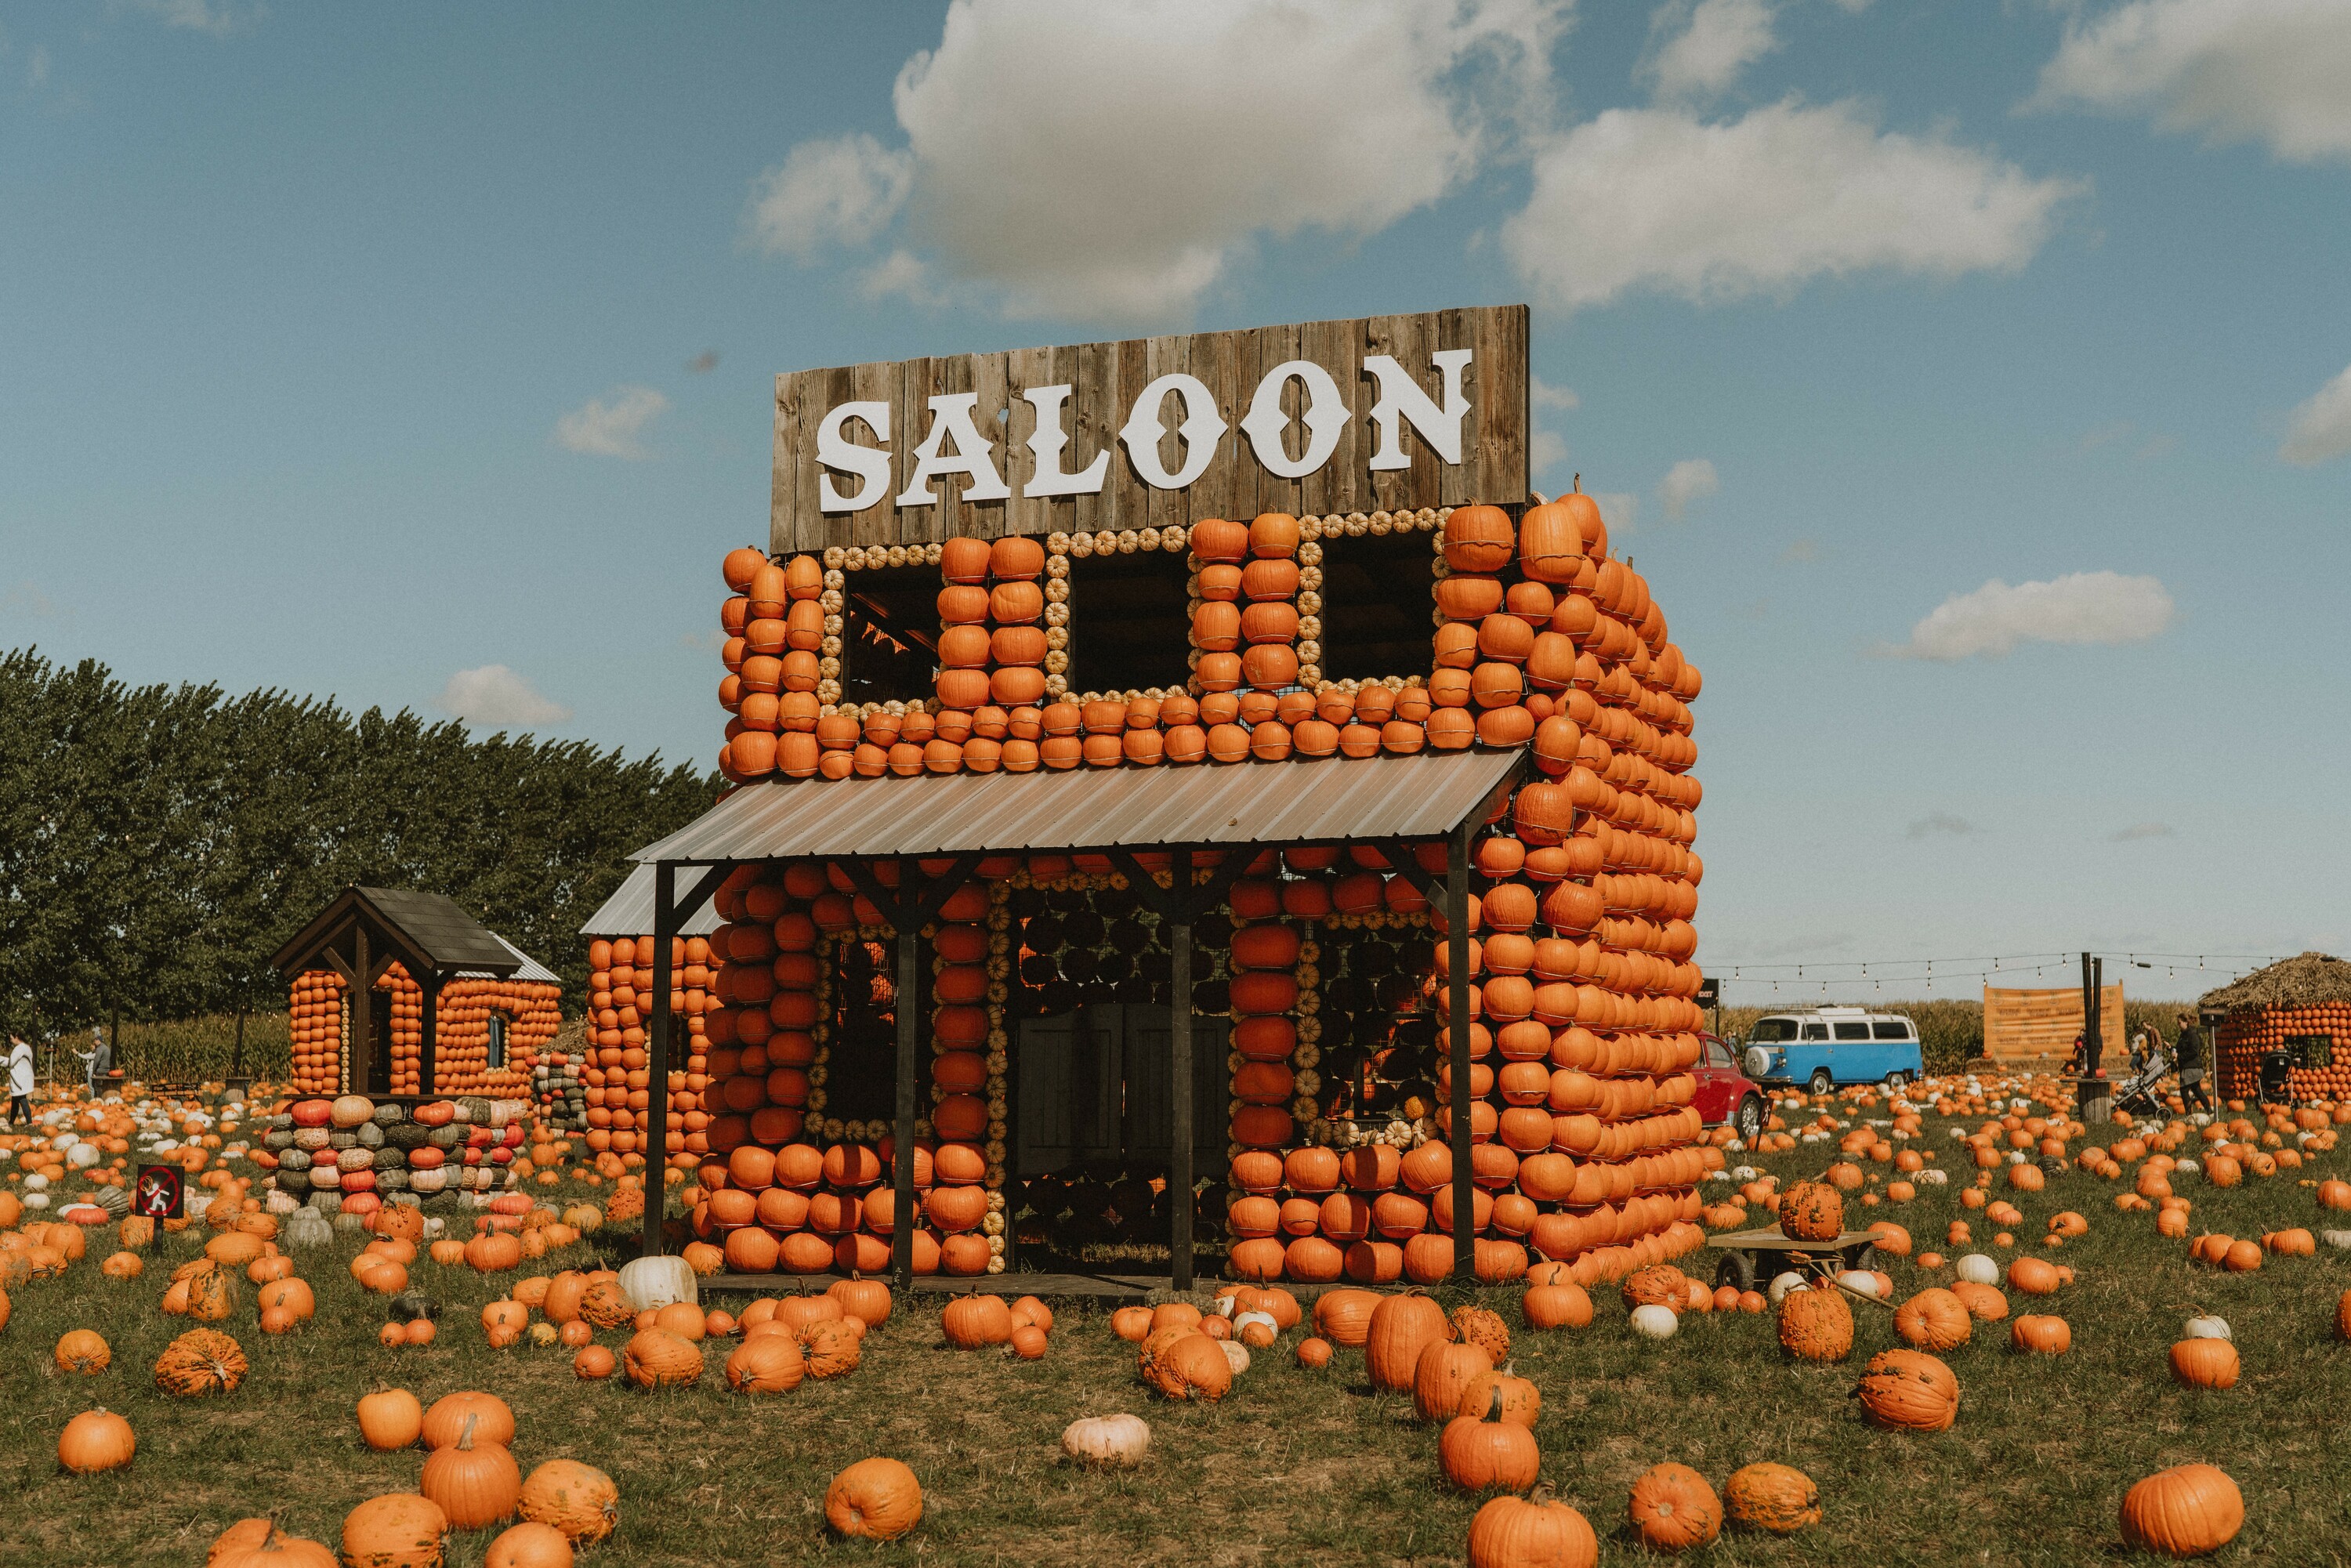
[
  {"x": 579, "y": 1500},
  {"x": 1909, "y": 1391},
  {"x": 1816, "y": 1326},
  {"x": 399, "y": 1529},
  {"x": 200, "y": 1362},
  {"x": 1771, "y": 1497}
]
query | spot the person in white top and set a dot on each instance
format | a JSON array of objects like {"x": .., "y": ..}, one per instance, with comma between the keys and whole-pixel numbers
[{"x": 20, "y": 1081}]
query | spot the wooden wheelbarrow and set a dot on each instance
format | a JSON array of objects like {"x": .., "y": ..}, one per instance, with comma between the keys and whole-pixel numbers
[{"x": 1746, "y": 1253}]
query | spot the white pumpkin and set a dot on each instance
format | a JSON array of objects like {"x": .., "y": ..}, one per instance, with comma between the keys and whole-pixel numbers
[
  {"x": 1242, "y": 1323},
  {"x": 1934, "y": 1175},
  {"x": 1864, "y": 1284},
  {"x": 1978, "y": 1270},
  {"x": 2208, "y": 1328},
  {"x": 1107, "y": 1442},
  {"x": 657, "y": 1282},
  {"x": 1654, "y": 1322},
  {"x": 1237, "y": 1354},
  {"x": 2337, "y": 1238},
  {"x": 1782, "y": 1285}
]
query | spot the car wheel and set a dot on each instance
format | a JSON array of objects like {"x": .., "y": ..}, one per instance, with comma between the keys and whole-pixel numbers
[
  {"x": 1749, "y": 1120},
  {"x": 1821, "y": 1082},
  {"x": 1894, "y": 1082}
]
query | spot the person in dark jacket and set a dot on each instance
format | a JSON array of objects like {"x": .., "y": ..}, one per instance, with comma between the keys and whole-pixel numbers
[{"x": 2189, "y": 1052}]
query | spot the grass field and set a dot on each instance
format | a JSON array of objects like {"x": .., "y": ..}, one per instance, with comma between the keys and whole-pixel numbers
[{"x": 1293, "y": 1466}]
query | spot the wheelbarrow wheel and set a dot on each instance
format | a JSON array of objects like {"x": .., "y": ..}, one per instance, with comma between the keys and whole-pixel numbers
[
  {"x": 1735, "y": 1270},
  {"x": 1857, "y": 1258}
]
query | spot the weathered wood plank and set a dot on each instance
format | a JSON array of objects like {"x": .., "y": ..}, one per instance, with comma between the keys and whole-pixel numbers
[{"x": 1106, "y": 379}]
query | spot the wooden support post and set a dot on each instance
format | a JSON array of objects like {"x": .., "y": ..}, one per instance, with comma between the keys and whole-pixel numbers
[
  {"x": 1179, "y": 1051},
  {"x": 901, "y": 1149},
  {"x": 656, "y": 1129},
  {"x": 360, "y": 1059},
  {"x": 428, "y": 1068},
  {"x": 1456, "y": 968},
  {"x": 669, "y": 913},
  {"x": 908, "y": 913}
]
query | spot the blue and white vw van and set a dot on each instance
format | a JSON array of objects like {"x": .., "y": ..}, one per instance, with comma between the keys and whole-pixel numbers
[{"x": 1824, "y": 1047}]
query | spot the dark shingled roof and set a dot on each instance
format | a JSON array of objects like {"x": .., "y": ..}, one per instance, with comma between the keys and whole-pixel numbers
[{"x": 433, "y": 926}]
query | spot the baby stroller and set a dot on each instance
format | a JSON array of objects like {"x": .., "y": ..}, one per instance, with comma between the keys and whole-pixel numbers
[{"x": 2138, "y": 1095}]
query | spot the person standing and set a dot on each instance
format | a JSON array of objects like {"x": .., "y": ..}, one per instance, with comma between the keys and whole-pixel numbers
[
  {"x": 20, "y": 1080},
  {"x": 2189, "y": 1052}
]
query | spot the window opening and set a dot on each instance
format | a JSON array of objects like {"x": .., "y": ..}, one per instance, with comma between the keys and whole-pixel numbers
[
  {"x": 1377, "y": 591},
  {"x": 498, "y": 1041},
  {"x": 889, "y": 634},
  {"x": 1129, "y": 628}
]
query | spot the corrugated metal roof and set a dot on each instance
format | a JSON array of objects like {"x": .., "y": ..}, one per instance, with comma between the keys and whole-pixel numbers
[
  {"x": 1327, "y": 800},
  {"x": 532, "y": 970},
  {"x": 630, "y": 911}
]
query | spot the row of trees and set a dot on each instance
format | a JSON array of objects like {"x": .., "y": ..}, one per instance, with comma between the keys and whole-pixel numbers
[{"x": 159, "y": 843}]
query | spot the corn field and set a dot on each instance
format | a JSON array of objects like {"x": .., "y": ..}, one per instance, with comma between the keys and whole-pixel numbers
[{"x": 197, "y": 1050}]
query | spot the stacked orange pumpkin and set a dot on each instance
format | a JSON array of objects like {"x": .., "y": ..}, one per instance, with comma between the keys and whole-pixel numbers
[
  {"x": 315, "y": 1013},
  {"x": 619, "y": 1009},
  {"x": 2248, "y": 1033}
]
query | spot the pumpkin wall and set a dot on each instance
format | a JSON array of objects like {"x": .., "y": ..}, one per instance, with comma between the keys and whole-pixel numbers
[
  {"x": 2247, "y": 1034},
  {"x": 1583, "y": 1026},
  {"x": 322, "y": 1033},
  {"x": 612, "y": 1073}
]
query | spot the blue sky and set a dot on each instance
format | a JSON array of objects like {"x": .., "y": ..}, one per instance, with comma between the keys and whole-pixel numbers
[{"x": 1972, "y": 384}]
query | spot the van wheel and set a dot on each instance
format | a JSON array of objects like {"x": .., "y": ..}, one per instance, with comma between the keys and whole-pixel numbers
[
  {"x": 1749, "y": 1120},
  {"x": 1894, "y": 1082},
  {"x": 1821, "y": 1082}
]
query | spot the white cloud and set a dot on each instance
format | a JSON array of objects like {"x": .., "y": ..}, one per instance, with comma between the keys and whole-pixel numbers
[
  {"x": 1689, "y": 480},
  {"x": 1618, "y": 508},
  {"x": 2322, "y": 426},
  {"x": 902, "y": 275},
  {"x": 1547, "y": 451},
  {"x": 613, "y": 425},
  {"x": 1942, "y": 824},
  {"x": 497, "y": 696},
  {"x": 1711, "y": 212},
  {"x": 1542, "y": 394},
  {"x": 2274, "y": 71},
  {"x": 843, "y": 191},
  {"x": 1716, "y": 40},
  {"x": 2085, "y": 607},
  {"x": 1049, "y": 171},
  {"x": 2137, "y": 830},
  {"x": 196, "y": 16}
]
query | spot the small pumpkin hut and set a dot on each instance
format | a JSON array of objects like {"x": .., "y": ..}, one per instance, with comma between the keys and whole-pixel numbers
[
  {"x": 2301, "y": 1004},
  {"x": 601, "y": 1089},
  {"x": 451, "y": 1008},
  {"x": 1104, "y": 868}
]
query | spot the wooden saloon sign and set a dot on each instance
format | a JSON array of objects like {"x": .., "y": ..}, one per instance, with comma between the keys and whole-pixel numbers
[{"x": 1384, "y": 413}]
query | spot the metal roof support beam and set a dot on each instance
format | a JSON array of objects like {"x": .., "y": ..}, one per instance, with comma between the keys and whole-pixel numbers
[
  {"x": 669, "y": 912},
  {"x": 908, "y": 913}
]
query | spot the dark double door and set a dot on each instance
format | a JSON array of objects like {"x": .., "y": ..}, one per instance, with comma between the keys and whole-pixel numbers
[{"x": 1096, "y": 1086}]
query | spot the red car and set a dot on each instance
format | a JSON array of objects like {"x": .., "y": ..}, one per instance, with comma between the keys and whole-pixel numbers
[{"x": 1724, "y": 1093}]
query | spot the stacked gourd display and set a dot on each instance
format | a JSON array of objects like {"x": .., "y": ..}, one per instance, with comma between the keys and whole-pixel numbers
[
  {"x": 613, "y": 1077},
  {"x": 1511, "y": 645},
  {"x": 1583, "y": 1027},
  {"x": 353, "y": 1155},
  {"x": 2247, "y": 1034},
  {"x": 787, "y": 1187},
  {"x": 558, "y": 1090},
  {"x": 320, "y": 1028}
]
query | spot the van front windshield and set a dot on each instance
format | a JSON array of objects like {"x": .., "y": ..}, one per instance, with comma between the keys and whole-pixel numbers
[{"x": 1768, "y": 1031}]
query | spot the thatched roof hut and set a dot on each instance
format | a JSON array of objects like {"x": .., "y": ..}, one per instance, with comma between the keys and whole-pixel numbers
[{"x": 2309, "y": 979}]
